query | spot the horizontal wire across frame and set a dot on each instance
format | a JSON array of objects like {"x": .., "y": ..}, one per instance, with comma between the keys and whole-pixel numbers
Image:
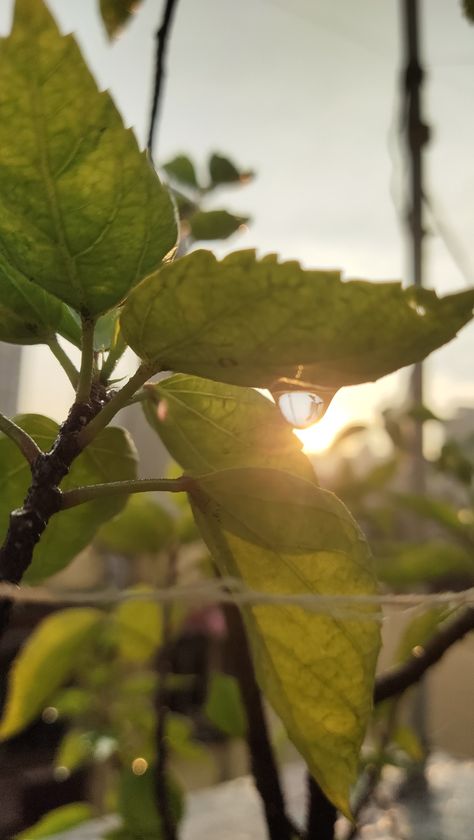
[{"x": 230, "y": 590}]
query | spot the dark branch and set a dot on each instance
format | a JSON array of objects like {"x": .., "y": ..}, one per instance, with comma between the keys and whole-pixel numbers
[
  {"x": 321, "y": 813},
  {"x": 43, "y": 499},
  {"x": 162, "y": 38},
  {"x": 164, "y": 668},
  {"x": 262, "y": 760},
  {"x": 399, "y": 679}
]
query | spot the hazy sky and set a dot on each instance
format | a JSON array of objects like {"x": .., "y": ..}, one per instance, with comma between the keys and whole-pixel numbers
[{"x": 304, "y": 93}]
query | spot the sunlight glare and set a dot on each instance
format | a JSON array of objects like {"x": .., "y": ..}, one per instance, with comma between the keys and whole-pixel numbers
[{"x": 319, "y": 436}]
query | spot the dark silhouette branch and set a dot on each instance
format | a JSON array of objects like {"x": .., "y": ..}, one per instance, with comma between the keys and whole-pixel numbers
[
  {"x": 43, "y": 499},
  {"x": 262, "y": 760},
  {"x": 398, "y": 679},
  {"x": 164, "y": 668},
  {"x": 162, "y": 38},
  {"x": 322, "y": 814}
]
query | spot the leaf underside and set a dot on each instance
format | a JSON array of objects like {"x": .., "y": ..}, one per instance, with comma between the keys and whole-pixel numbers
[{"x": 255, "y": 323}]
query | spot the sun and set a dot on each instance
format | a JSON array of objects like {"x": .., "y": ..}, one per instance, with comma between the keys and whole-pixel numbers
[{"x": 320, "y": 435}]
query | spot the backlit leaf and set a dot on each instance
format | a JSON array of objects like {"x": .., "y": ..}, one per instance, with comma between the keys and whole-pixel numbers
[
  {"x": 284, "y": 536},
  {"x": 208, "y": 426},
  {"x": 44, "y": 663},
  {"x": 250, "y": 322},
  {"x": 76, "y": 748},
  {"x": 110, "y": 457},
  {"x": 142, "y": 527},
  {"x": 58, "y": 820},
  {"x": 224, "y": 705},
  {"x": 138, "y": 629},
  {"x": 28, "y": 314},
  {"x": 82, "y": 213}
]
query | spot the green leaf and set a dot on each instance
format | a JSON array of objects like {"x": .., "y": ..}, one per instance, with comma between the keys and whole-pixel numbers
[
  {"x": 411, "y": 564},
  {"x": 58, "y": 820},
  {"x": 45, "y": 662},
  {"x": 179, "y": 735},
  {"x": 224, "y": 705},
  {"x": 142, "y": 527},
  {"x": 110, "y": 457},
  {"x": 407, "y": 740},
  {"x": 137, "y": 806},
  {"x": 209, "y": 426},
  {"x": 181, "y": 169},
  {"x": 28, "y": 315},
  {"x": 419, "y": 631},
  {"x": 445, "y": 514},
  {"x": 82, "y": 213},
  {"x": 275, "y": 325},
  {"x": 223, "y": 171},
  {"x": 116, "y": 14},
  {"x": 215, "y": 224},
  {"x": 75, "y": 750},
  {"x": 284, "y": 536},
  {"x": 106, "y": 330},
  {"x": 138, "y": 629},
  {"x": 468, "y": 7}
]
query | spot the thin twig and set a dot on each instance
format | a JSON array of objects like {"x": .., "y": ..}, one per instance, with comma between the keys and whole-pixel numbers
[
  {"x": 398, "y": 679},
  {"x": 69, "y": 368},
  {"x": 162, "y": 38},
  {"x": 118, "y": 401},
  {"x": 27, "y": 446},
  {"x": 262, "y": 759},
  {"x": 164, "y": 669},
  {"x": 80, "y": 495}
]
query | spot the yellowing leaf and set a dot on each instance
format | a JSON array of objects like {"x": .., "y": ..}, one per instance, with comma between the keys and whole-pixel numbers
[
  {"x": 138, "y": 629},
  {"x": 250, "y": 322},
  {"x": 208, "y": 426},
  {"x": 45, "y": 662},
  {"x": 82, "y": 212},
  {"x": 284, "y": 536},
  {"x": 60, "y": 819}
]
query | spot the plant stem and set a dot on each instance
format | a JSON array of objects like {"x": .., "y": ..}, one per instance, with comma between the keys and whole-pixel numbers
[
  {"x": 162, "y": 37},
  {"x": 321, "y": 813},
  {"x": 262, "y": 760},
  {"x": 398, "y": 679},
  {"x": 164, "y": 669},
  {"x": 71, "y": 498},
  {"x": 115, "y": 353},
  {"x": 27, "y": 446},
  {"x": 84, "y": 383},
  {"x": 117, "y": 402},
  {"x": 70, "y": 370}
]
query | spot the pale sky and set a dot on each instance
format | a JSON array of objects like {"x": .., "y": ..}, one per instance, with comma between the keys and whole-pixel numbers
[{"x": 304, "y": 93}]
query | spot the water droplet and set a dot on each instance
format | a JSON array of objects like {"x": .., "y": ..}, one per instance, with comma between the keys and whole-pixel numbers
[
  {"x": 50, "y": 714},
  {"x": 139, "y": 766},
  {"x": 301, "y": 408},
  {"x": 162, "y": 410}
]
